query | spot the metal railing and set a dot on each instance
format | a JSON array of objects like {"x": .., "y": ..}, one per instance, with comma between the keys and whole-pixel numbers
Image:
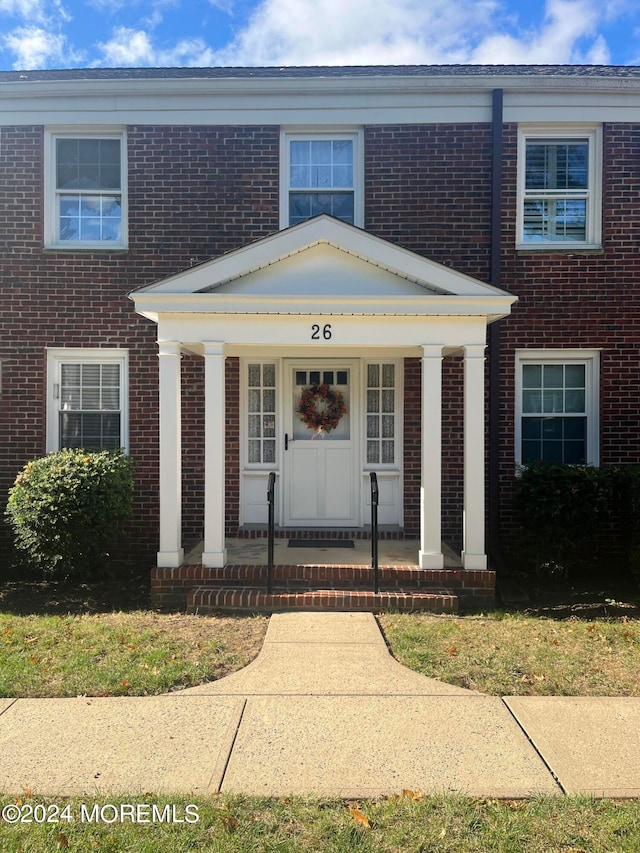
[
  {"x": 271, "y": 530},
  {"x": 374, "y": 531}
]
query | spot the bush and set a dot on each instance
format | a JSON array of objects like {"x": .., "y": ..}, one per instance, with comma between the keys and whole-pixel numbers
[
  {"x": 571, "y": 515},
  {"x": 65, "y": 509}
]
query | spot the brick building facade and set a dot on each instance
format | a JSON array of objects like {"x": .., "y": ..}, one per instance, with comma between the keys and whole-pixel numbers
[{"x": 301, "y": 225}]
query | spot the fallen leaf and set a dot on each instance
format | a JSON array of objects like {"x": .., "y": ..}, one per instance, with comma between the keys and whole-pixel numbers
[
  {"x": 63, "y": 841},
  {"x": 412, "y": 795},
  {"x": 443, "y": 832},
  {"x": 359, "y": 817},
  {"x": 229, "y": 822},
  {"x": 453, "y": 650}
]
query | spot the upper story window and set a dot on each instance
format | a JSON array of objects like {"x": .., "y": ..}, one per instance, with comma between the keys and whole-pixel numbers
[
  {"x": 86, "y": 190},
  {"x": 559, "y": 187},
  {"x": 320, "y": 173}
]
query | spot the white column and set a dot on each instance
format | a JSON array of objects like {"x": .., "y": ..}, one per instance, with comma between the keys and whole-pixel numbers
[
  {"x": 430, "y": 556},
  {"x": 171, "y": 552},
  {"x": 474, "y": 555},
  {"x": 214, "y": 553}
]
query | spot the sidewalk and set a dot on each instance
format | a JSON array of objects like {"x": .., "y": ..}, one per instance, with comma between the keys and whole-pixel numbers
[{"x": 323, "y": 710}]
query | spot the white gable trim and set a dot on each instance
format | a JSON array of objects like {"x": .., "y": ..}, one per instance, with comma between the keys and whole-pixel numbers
[{"x": 440, "y": 290}]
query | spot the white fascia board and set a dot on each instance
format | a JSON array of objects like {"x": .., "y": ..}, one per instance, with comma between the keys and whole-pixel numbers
[
  {"x": 154, "y": 305},
  {"x": 315, "y": 100}
]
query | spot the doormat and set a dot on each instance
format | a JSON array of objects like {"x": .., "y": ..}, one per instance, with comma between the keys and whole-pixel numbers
[{"x": 320, "y": 543}]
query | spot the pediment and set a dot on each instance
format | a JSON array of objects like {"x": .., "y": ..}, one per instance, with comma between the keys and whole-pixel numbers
[{"x": 325, "y": 264}]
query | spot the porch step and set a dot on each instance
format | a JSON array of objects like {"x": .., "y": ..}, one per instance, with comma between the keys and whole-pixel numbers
[{"x": 212, "y": 599}]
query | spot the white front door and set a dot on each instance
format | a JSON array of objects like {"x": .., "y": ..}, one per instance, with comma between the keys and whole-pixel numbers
[{"x": 321, "y": 453}]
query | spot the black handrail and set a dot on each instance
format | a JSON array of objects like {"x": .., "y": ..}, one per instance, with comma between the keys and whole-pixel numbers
[
  {"x": 271, "y": 489},
  {"x": 374, "y": 530}
]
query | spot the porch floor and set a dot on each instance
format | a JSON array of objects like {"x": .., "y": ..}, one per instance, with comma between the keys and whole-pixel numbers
[{"x": 391, "y": 552}]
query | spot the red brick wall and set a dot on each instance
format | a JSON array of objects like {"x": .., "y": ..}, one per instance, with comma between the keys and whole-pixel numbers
[
  {"x": 197, "y": 192},
  {"x": 193, "y": 194},
  {"x": 581, "y": 300}
]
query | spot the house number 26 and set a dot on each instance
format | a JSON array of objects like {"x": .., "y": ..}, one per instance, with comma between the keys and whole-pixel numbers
[{"x": 325, "y": 331}]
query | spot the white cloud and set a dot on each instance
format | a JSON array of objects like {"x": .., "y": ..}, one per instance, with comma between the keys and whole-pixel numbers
[
  {"x": 35, "y": 47},
  {"x": 35, "y": 11},
  {"x": 128, "y": 47},
  {"x": 350, "y": 32}
]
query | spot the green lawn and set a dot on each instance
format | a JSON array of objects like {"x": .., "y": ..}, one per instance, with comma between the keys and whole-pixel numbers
[{"x": 407, "y": 824}]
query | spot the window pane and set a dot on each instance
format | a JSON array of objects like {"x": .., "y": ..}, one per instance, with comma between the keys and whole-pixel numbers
[
  {"x": 532, "y": 375},
  {"x": 531, "y": 401},
  {"x": 555, "y": 164},
  {"x": 387, "y": 426},
  {"x": 269, "y": 375},
  {"x": 254, "y": 375},
  {"x": 553, "y": 375},
  {"x": 388, "y": 375},
  {"x": 268, "y": 426},
  {"x": 388, "y": 401},
  {"x": 555, "y": 220},
  {"x": 373, "y": 375},
  {"x": 254, "y": 426},
  {"x": 254, "y": 451},
  {"x": 388, "y": 449},
  {"x": 373, "y": 401},
  {"x": 575, "y": 375},
  {"x": 373, "y": 452},
  {"x": 254, "y": 400},
  {"x": 269, "y": 448},
  {"x": 269, "y": 400},
  {"x": 373, "y": 426}
]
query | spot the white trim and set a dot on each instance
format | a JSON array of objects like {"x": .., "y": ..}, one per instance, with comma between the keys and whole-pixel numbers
[
  {"x": 51, "y": 224},
  {"x": 593, "y": 134},
  {"x": 356, "y": 135},
  {"x": 591, "y": 359},
  {"x": 76, "y": 355}
]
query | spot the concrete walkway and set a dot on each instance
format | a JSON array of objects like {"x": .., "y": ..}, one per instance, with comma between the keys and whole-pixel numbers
[{"x": 322, "y": 710}]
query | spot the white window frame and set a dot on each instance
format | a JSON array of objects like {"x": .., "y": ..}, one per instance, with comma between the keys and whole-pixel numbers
[
  {"x": 302, "y": 134},
  {"x": 73, "y": 355},
  {"x": 398, "y": 413},
  {"x": 244, "y": 413},
  {"x": 591, "y": 133},
  {"x": 591, "y": 361},
  {"x": 51, "y": 218}
]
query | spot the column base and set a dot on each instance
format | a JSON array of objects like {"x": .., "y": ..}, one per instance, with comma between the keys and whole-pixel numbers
[
  {"x": 474, "y": 562},
  {"x": 214, "y": 559},
  {"x": 430, "y": 560},
  {"x": 170, "y": 559}
]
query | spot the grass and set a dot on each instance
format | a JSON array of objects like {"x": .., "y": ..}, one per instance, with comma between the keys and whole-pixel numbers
[
  {"x": 408, "y": 824},
  {"x": 506, "y": 654},
  {"x": 121, "y": 654}
]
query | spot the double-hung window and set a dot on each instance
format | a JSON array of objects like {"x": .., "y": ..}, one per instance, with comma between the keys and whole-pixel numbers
[
  {"x": 557, "y": 406},
  {"x": 87, "y": 400},
  {"x": 559, "y": 187},
  {"x": 86, "y": 190},
  {"x": 320, "y": 173}
]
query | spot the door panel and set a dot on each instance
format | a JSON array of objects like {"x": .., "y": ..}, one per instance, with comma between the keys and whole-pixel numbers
[{"x": 321, "y": 486}]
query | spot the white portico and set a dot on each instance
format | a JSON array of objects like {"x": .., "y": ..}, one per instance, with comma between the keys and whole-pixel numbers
[{"x": 322, "y": 303}]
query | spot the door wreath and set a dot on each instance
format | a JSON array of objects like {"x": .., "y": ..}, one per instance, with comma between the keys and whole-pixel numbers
[{"x": 320, "y": 408}]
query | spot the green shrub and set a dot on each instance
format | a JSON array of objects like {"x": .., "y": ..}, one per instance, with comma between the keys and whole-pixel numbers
[
  {"x": 65, "y": 509},
  {"x": 573, "y": 515}
]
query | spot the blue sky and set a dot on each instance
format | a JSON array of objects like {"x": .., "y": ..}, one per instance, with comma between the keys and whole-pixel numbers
[{"x": 105, "y": 33}]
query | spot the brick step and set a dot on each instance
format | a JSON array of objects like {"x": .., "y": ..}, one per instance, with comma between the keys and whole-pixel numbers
[
  {"x": 327, "y": 577},
  {"x": 211, "y": 599}
]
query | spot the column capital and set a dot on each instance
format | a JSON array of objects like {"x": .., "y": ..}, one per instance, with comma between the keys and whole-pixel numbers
[
  {"x": 213, "y": 348},
  {"x": 474, "y": 350},
  {"x": 169, "y": 348},
  {"x": 432, "y": 350}
]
